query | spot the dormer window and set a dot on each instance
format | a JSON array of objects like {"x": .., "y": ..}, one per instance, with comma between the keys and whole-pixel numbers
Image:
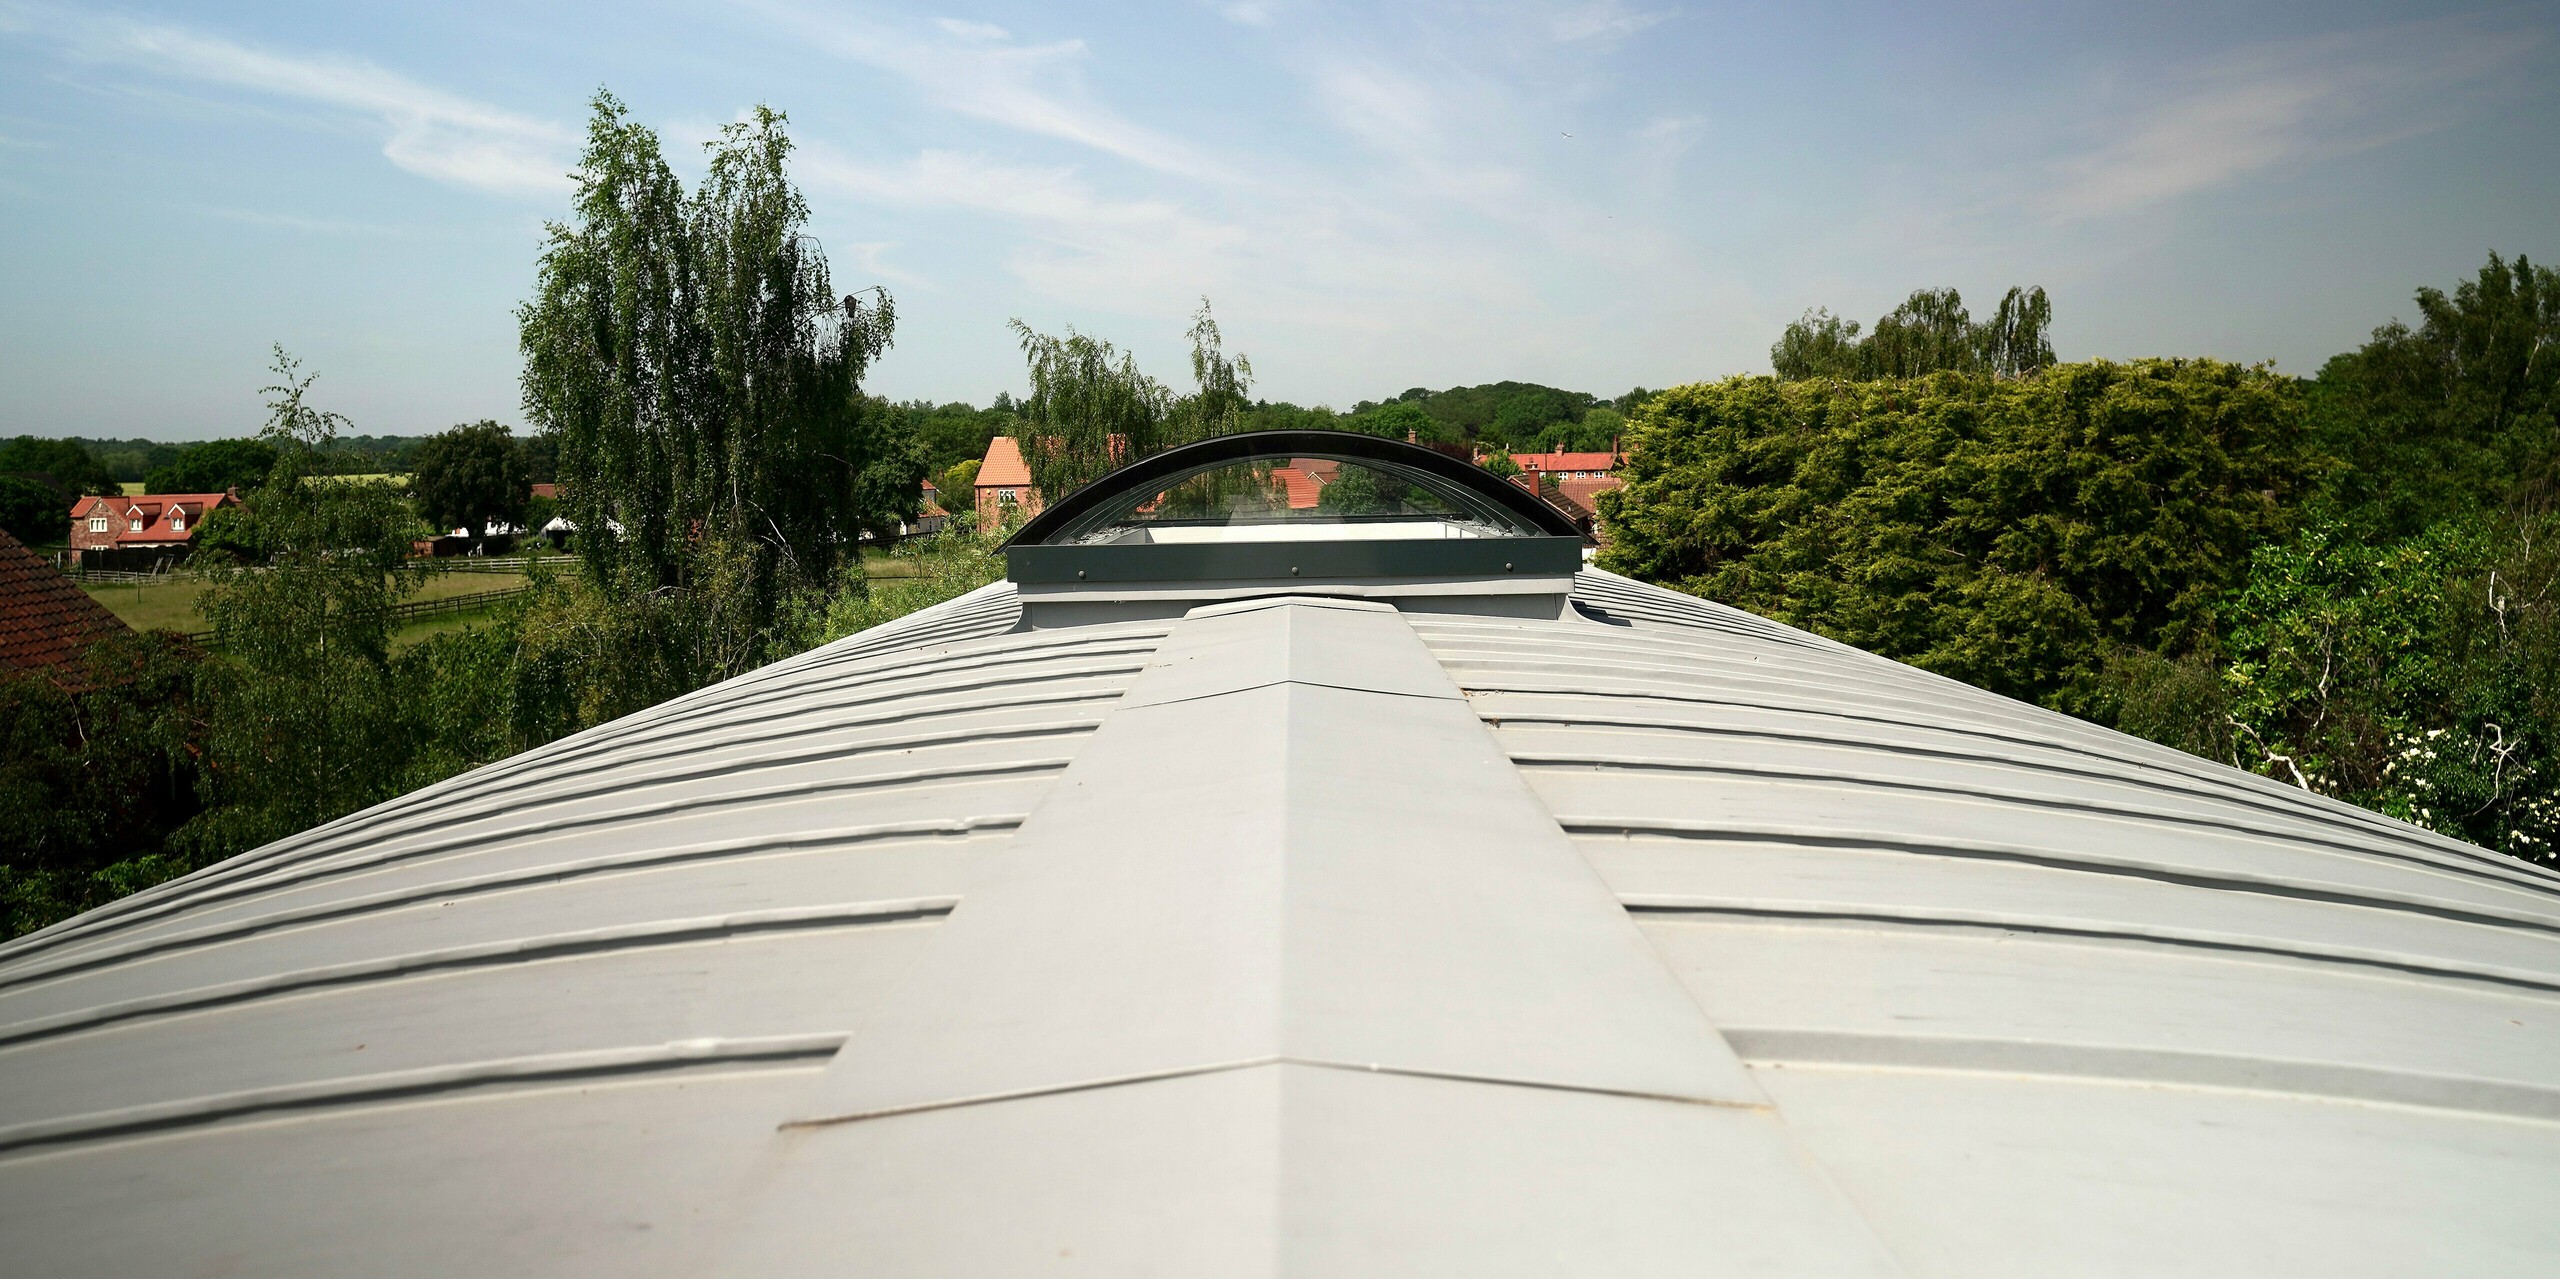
[
  {"x": 135, "y": 526},
  {"x": 177, "y": 524}
]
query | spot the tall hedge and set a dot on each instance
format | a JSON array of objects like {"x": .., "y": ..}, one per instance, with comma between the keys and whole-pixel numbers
[{"x": 2014, "y": 534}]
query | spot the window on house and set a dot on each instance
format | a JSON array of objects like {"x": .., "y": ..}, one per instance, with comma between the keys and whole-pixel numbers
[
  {"x": 97, "y": 524},
  {"x": 177, "y": 524},
  {"x": 134, "y": 527},
  {"x": 1004, "y": 495}
]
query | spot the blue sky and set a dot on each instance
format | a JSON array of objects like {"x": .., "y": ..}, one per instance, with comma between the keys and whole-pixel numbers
[{"x": 1374, "y": 196}]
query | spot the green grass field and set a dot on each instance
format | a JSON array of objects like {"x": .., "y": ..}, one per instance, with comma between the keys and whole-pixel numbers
[{"x": 171, "y": 605}]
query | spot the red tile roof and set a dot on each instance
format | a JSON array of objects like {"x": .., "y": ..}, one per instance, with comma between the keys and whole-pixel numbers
[
  {"x": 547, "y": 490},
  {"x": 1301, "y": 487},
  {"x": 1586, "y": 493},
  {"x": 155, "y": 511},
  {"x": 1566, "y": 461},
  {"x": 1003, "y": 466},
  {"x": 45, "y": 618}
]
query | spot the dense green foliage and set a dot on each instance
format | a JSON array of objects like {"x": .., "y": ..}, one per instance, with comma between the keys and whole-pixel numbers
[
  {"x": 2006, "y": 533},
  {"x": 97, "y": 768},
  {"x": 2455, "y": 415},
  {"x": 702, "y": 380},
  {"x": 1929, "y": 333},
  {"x": 302, "y": 712},
  {"x": 215, "y": 466},
  {"x": 1091, "y": 409},
  {"x": 471, "y": 477},
  {"x": 33, "y": 513},
  {"x": 2348, "y": 583},
  {"x": 71, "y": 466}
]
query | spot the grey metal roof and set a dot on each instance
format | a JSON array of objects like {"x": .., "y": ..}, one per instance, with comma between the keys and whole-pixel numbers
[{"x": 1308, "y": 928}]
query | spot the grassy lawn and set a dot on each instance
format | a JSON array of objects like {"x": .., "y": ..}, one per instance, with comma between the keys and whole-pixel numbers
[
  {"x": 171, "y": 605},
  {"x": 877, "y": 564}
]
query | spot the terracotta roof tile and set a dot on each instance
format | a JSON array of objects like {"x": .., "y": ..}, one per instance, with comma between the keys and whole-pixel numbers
[
  {"x": 45, "y": 618},
  {"x": 1301, "y": 487},
  {"x": 1003, "y": 466},
  {"x": 1566, "y": 461},
  {"x": 1586, "y": 493}
]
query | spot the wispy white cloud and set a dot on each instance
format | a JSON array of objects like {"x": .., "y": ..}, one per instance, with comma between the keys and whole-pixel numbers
[
  {"x": 1036, "y": 88},
  {"x": 1606, "y": 19},
  {"x": 430, "y": 132},
  {"x": 967, "y": 30},
  {"x": 872, "y": 257},
  {"x": 2218, "y": 121},
  {"x": 319, "y": 226},
  {"x": 1136, "y": 245},
  {"x": 1248, "y": 13}
]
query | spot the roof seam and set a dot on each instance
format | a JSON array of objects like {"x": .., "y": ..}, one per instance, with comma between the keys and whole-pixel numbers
[
  {"x": 2431, "y": 966},
  {"x": 1223, "y": 1067}
]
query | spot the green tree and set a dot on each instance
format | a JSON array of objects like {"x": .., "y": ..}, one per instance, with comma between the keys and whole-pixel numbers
[
  {"x": 1819, "y": 345},
  {"x": 1089, "y": 410},
  {"x": 32, "y": 513},
  {"x": 703, "y": 383},
  {"x": 1401, "y": 420},
  {"x": 2012, "y": 534},
  {"x": 1225, "y": 385},
  {"x": 2418, "y": 676},
  {"x": 2454, "y": 415},
  {"x": 953, "y": 432},
  {"x": 1931, "y": 332},
  {"x": 1598, "y": 431},
  {"x": 70, "y": 465},
  {"x": 215, "y": 466},
  {"x": 958, "y": 485},
  {"x": 97, "y": 766},
  {"x": 306, "y": 722},
  {"x": 470, "y": 477}
]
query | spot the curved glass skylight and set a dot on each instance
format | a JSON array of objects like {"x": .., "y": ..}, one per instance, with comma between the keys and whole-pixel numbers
[
  {"x": 1300, "y": 498},
  {"x": 1298, "y": 506}
]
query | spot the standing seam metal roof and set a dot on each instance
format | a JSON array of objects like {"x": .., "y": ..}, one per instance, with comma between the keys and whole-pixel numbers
[{"x": 1295, "y": 934}]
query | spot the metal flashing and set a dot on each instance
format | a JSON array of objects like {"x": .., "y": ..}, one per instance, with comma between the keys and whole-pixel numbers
[{"x": 1029, "y": 564}]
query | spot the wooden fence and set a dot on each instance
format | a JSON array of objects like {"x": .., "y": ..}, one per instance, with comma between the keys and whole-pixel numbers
[{"x": 415, "y": 609}]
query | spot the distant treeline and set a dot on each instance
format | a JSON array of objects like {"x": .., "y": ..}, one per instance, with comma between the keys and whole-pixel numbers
[
  {"x": 209, "y": 466},
  {"x": 1499, "y": 416},
  {"x": 1508, "y": 416}
]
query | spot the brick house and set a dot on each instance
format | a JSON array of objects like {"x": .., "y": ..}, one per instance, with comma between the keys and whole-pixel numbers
[
  {"x": 1579, "y": 478},
  {"x": 1571, "y": 466},
  {"x": 151, "y": 522},
  {"x": 1004, "y": 481}
]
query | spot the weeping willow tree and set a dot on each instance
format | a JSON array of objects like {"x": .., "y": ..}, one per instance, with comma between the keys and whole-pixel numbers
[
  {"x": 1930, "y": 332},
  {"x": 1091, "y": 409},
  {"x": 702, "y": 379}
]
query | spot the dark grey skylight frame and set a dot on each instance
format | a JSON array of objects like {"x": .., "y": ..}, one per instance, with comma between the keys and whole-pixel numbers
[{"x": 1533, "y": 538}]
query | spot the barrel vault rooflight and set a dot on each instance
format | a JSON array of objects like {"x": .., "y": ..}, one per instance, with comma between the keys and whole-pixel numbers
[{"x": 1396, "y": 916}]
